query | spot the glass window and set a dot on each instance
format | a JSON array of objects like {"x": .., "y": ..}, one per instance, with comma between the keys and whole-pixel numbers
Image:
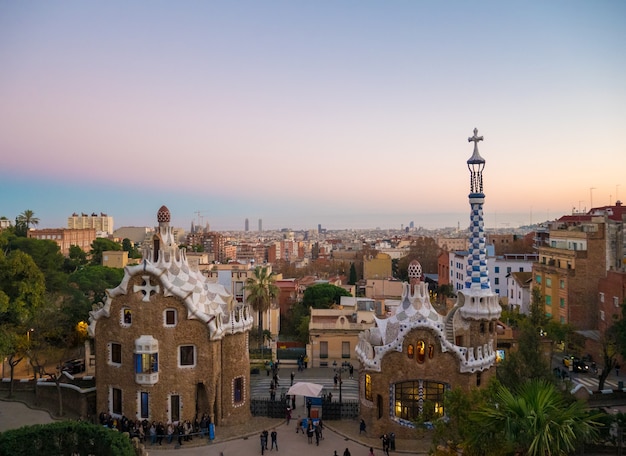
[
  {"x": 562, "y": 284},
  {"x": 409, "y": 351},
  {"x": 421, "y": 351},
  {"x": 538, "y": 278},
  {"x": 116, "y": 401},
  {"x": 345, "y": 349},
  {"x": 368, "y": 387},
  {"x": 187, "y": 356},
  {"x": 174, "y": 408},
  {"x": 431, "y": 351},
  {"x": 323, "y": 349},
  {"x": 548, "y": 300},
  {"x": 145, "y": 409},
  {"x": 548, "y": 282},
  {"x": 170, "y": 317},
  {"x": 239, "y": 290},
  {"x": 497, "y": 269},
  {"x": 146, "y": 363},
  {"x": 116, "y": 353},
  {"x": 562, "y": 302},
  {"x": 238, "y": 390},
  {"x": 128, "y": 316},
  {"x": 415, "y": 399}
]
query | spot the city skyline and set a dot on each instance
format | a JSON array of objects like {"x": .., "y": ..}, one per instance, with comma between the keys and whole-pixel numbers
[{"x": 344, "y": 114}]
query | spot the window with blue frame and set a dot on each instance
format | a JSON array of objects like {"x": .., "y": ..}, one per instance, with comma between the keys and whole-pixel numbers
[{"x": 146, "y": 363}]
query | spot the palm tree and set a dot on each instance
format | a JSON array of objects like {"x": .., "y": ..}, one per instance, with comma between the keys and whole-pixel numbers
[
  {"x": 536, "y": 420},
  {"x": 261, "y": 292},
  {"x": 28, "y": 218}
]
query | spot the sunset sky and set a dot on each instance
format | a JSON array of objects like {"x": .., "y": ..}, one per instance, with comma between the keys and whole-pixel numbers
[{"x": 350, "y": 114}]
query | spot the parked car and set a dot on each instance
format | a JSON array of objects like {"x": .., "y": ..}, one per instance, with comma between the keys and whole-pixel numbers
[
  {"x": 74, "y": 366},
  {"x": 580, "y": 366}
]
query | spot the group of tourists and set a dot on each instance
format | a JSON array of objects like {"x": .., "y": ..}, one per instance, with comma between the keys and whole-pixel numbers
[{"x": 156, "y": 432}]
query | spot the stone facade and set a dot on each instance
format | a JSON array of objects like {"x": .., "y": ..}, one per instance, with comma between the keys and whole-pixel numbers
[{"x": 169, "y": 344}]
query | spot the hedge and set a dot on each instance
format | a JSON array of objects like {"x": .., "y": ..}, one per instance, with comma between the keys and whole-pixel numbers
[{"x": 65, "y": 438}]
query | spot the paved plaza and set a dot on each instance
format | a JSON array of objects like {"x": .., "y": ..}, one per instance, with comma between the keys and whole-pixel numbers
[{"x": 244, "y": 439}]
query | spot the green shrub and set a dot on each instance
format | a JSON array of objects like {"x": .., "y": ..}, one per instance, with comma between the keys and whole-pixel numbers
[{"x": 65, "y": 438}]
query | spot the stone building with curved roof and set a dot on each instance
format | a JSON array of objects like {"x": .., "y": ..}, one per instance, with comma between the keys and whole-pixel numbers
[
  {"x": 410, "y": 359},
  {"x": 170, "y": 344}
]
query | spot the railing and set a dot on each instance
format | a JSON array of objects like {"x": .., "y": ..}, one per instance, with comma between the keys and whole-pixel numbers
[{"x": 330, "y": 410}]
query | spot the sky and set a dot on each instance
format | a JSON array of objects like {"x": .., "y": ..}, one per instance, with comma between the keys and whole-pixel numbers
[{"x": 348, "y": 114}]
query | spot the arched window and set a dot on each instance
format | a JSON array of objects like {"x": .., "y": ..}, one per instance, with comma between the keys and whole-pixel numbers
[
  {"x": 409, "y": 351},
  {"x": 431, "y": 351},
  {"x": 482, "y": 327},
  {"x": 421, "y": 351}
]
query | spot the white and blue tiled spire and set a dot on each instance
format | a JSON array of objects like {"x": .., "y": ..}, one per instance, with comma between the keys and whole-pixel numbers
[{"x": 477, "y": 276}]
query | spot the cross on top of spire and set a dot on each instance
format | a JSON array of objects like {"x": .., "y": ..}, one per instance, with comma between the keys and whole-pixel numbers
[
  {"x": 475, "y": 158},
  {"x": 475, "y": 138}
]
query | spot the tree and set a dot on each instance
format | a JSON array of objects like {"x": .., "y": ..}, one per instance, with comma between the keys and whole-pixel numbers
[
  {"x": 537, "y": 308},
  {"x": 47, "y": 256},
  {"x": 526, "y": 362},
  {"x": 423, "y": 249},
  {"x": 457, "y": 427},
  {"x": 323, "y": 296},
  {"x": 26, "y": 219},
  {"x": 100, "y": 245},
  {"x": 353, "y": 277},
  {"x": 93, "y": 281},
  {"x": 22, "y": 288},
  {"x": 534, "y": 420},
  {"x": 261, "y": 292},
  {"x": 77, "y": 257},
  {"x": 128, "y": 246}
]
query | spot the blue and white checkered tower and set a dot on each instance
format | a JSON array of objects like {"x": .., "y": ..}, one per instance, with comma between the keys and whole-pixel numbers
[{"x": 477, "y": 277}]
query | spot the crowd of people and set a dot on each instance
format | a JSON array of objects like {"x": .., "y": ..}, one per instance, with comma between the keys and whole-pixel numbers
[{"x": 155, "y": 432}]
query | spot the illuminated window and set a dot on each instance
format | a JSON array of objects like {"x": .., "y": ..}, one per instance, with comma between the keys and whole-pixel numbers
[
  {"x": 409, "y": 351},
  {"x": 421, "y": 398},
  {"x": 127, "y": 316},
  {"x": 431, "y": 351},
  {"x": 368, "y": 387},
  {"x": 421, "y": 351},
  {"x": 146, "y": 363}
]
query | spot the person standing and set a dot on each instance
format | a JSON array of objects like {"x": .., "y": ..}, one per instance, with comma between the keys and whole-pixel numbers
[
  {"x": 351, "y": 371},
  {"x": 292, "y": 377},
  {"x": 263, "y": 438},
  {"x": 385, "y": 439},
  {"x": 274, "y": 436},
  {"x": 371, "y": 452},
  {"x": 308, "y": 408},
  {"x": 347, "y": 453},
  {"x": 362, "y": 426},
  {"x": 160, "y": 433}
]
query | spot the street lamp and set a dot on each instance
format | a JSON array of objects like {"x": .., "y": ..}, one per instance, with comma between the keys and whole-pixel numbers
[{"x": 28, "y": 347}]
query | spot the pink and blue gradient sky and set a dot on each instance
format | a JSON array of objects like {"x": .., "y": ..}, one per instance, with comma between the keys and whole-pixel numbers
[{"x": 351, "y": 114}]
